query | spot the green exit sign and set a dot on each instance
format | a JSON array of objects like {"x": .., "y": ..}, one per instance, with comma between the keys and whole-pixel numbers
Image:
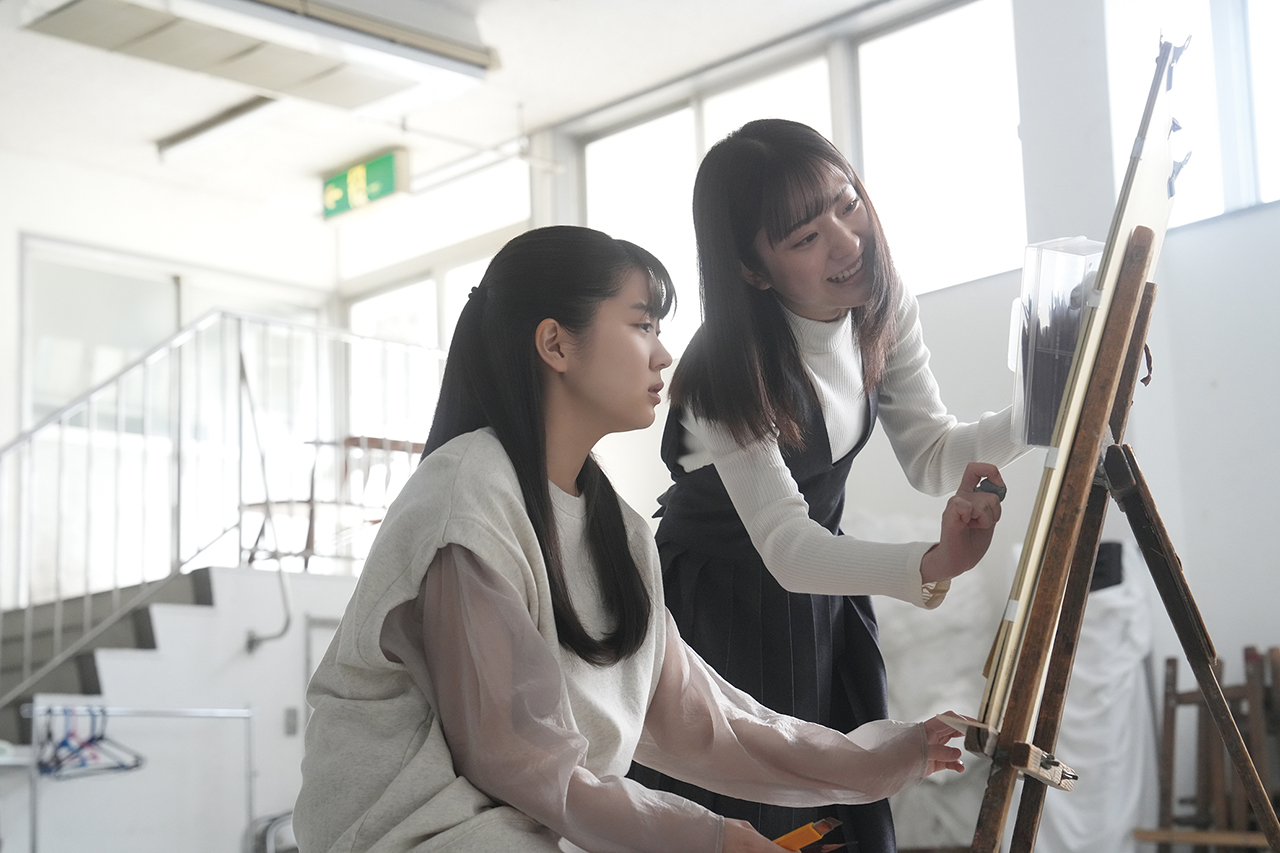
[{"x": 366, "y": 182}]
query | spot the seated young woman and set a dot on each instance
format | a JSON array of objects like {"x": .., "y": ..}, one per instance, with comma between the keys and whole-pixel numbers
[{"x": 506, "y": 653}]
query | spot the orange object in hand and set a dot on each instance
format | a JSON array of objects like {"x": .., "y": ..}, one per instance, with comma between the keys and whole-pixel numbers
[{"x": 807, "y": 834}]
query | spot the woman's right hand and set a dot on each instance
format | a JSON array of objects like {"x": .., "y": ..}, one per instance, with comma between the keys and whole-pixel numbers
[
  {"x": 939, "y": 755},
  {"x": 968, "y": 523},
  {"x": 741, "y": 837}
]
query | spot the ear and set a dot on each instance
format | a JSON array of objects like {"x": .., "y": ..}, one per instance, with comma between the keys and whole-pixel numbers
[
  {"x": 753, "y": 278},
  {"x": 551, "y": 340}
]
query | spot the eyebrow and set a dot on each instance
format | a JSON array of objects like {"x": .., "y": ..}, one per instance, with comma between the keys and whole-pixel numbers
[{"x": 834, "y": 201}]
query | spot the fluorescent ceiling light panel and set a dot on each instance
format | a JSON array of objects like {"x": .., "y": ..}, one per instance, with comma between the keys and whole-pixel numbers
[
  {"x": 280, "y": 52},
  {"x": 189, "y": 45},
  {"x": 110, "y": 24}
]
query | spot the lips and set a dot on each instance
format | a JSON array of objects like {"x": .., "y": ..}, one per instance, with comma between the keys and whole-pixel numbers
[
  {"x": 847, "y": 273},
  {"x": 656, "y": 390}
]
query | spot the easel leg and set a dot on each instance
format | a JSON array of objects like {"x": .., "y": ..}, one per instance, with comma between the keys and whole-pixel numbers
[
  {"x": 1131, "y": 492},
  {"x": 1058, "y": 676}
]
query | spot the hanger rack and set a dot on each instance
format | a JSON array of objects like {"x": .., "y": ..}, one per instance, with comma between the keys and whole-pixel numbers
[{"x": 37, "y": 711}]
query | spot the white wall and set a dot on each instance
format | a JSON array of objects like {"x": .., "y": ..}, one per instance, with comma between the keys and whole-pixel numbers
[
  {"x": 1207, "y": 451},
  {"x": 119, "y": 212}
]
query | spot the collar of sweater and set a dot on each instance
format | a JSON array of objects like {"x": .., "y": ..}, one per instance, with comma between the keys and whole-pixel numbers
[
  {"x": 818, "y": 336},
  {"x": 573, "y": 506}
]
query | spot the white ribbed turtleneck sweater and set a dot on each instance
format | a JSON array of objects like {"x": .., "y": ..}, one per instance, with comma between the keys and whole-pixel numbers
[{"x": 932, "y": 447}]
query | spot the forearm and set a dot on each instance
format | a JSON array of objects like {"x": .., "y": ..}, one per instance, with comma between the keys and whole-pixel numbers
[
  {"x": 705, "y": 731},
  {"x": 801, "y": 554}
]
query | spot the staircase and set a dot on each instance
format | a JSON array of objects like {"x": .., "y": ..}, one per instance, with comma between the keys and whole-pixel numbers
[
  {"x": 240, "y": 441},
  {"x": 32, "y": 634}
]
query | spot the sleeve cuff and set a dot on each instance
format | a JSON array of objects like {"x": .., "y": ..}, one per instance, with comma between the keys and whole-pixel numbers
[
  {"x": 913, "y": 589},
  {"x": 933, "y": 593}
]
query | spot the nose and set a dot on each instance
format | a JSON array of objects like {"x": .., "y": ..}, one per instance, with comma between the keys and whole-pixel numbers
[
  {"x": 848, "y": 242},
  {"x": 660, "y": 359}
]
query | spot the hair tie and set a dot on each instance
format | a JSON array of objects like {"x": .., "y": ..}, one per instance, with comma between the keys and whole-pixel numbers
[{"x": 478, "y": 290}]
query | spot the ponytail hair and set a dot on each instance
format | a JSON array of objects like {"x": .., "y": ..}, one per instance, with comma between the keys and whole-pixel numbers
[
  {"x": 492, "y": 379},
  {"x": 743, "y": 368}
]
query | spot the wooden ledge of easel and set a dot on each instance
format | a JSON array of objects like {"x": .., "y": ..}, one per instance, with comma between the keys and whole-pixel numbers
[
  {"x": 1219, "y": 838},
  {"x": 1030, "y": 760},
  {"x": 1027, "y": 758}
]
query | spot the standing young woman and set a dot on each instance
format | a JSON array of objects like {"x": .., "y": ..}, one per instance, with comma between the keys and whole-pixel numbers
[
  {"x": 506, "y": 653},
  {"x": 808, "y": 340}
]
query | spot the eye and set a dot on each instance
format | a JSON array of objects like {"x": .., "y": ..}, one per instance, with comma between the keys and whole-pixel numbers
[
  {"x": 645, "y": 327},
  {"x": 852, "y": 205},
  {"x": 805, "y": 240}
]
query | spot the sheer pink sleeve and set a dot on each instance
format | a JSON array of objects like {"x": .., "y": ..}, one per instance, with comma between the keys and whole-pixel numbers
[
  {"x": 704, "y": 730},
  {"x": 501, "y": 699}
]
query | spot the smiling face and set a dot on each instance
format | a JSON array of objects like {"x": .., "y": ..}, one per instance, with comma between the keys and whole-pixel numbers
[
  {"x": 824, "y": 266},
  {"x": 613, "y": 372}
]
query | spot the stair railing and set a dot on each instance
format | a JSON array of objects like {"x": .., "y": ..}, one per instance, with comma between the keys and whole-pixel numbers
[{"x": 238, "y": 441}]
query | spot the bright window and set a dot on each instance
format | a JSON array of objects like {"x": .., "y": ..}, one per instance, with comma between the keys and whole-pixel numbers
[
  {"x": 943, "y": 163},
  {"x": 406, "y": 227},
  {"x": 1226, "y": 97},
  {"x": 639, "y": 188},
  {"x": 455, "y": 293},
  {"x": 1198, "y": 191},
  {"x": 1264, "y": 31},
  {"x": 640, "y": 180},
  {"x": 406, "y": 314},
  {"x": 801, "y": 93},
  {"x": 422, "y": 314}
]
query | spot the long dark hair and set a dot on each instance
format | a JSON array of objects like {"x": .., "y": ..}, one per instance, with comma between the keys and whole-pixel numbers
[
  {"x": 743, "y": 368},
  {"x": 492, "y": 379}
]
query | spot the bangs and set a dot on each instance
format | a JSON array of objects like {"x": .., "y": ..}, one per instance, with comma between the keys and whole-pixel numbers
[
  {"x": 796, "y": 190},
  {"x": 662, "y": 293}
]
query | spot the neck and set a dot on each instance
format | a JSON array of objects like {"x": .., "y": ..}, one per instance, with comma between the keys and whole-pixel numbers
[{"x": 569, "y": 441}]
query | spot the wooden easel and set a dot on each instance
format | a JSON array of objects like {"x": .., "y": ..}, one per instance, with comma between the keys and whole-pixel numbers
[{"x": 1098, "y": 466}]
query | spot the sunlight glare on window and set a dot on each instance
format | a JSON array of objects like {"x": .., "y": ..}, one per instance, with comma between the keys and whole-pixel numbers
[
  {"x": 1194, "y": 104},
  {"x": 943, "y": 163},
  {"x": 406, "y": 314},
  {"x": 457, "y": 290},
  {"x": 640, "y": 188},
  {"x": 801, "y": 93},
  {"x": 1264, "y": 32},
  {"x": 405, "y": 227}
]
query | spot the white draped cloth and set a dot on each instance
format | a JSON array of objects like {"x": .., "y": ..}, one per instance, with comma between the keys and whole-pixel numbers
[{"x": 1108, "y": 726}]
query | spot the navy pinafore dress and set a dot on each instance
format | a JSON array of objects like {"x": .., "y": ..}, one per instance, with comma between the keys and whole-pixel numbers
[{"x": 816, "y": 657}]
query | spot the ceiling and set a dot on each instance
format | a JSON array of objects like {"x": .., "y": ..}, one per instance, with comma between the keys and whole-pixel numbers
[{"x": 557, "y": 59}]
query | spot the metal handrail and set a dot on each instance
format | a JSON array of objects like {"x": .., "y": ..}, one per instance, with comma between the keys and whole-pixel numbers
[
  {"x": 177, "y": 339},
  {"x": 186, "y": 404}
]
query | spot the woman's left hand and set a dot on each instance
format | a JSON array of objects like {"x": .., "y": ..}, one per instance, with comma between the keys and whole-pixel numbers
[{"x": 968, "y": 523}]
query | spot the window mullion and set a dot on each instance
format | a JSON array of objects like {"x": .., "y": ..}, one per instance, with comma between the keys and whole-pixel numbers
[
  {"x": 699, "y": 128},
  {"x": 1235, "y": 103},
  {"x": 846, "y": 106}
]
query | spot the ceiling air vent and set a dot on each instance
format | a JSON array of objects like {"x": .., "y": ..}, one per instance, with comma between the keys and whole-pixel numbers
[{"x": 335, "y": 53}]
